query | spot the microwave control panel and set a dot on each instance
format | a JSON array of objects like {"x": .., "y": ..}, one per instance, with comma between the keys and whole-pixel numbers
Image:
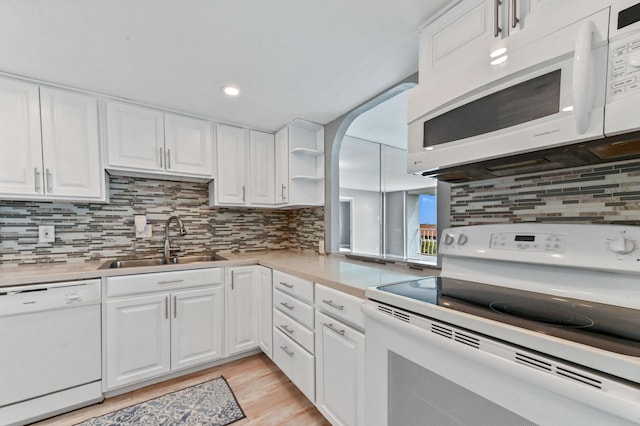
[
  {"x": 624, "y": 50},
  {"x": 624, "y": 66}
]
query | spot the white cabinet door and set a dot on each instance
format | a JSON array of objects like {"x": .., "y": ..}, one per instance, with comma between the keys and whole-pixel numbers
[
  {"x": 261, "y": 168},
  {"x": 137, "y": 339},
  {"x": 196, "y": 326},
  {"x": 266, "y": 311},
  {"x": 20, "y": 141},
  {"x": 242, "y": 295},
  {"x": 189, "y": 145},
  {"x": 231, "y": 181},
  {"x": 282, "y": 166},
  {"x": 135, "y": 137},
  {"x": 339, "y": 372},
  {"x": 71, "y": 145},
  {"x": 460, "y": 36}
]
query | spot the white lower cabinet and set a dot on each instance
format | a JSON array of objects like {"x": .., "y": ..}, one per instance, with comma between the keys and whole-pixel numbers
[
  {"x": 242, "y": 301},
  {"x": 293, "y": 350},
  {"x": 161, "y": 322},
  {"x": 295, "y": 362},
  {"x": 339, "y": 371},
  {"x": 196, "y": 327},
  {"x": 266, "y": 311},
  {"x": 138, "y": 339}
]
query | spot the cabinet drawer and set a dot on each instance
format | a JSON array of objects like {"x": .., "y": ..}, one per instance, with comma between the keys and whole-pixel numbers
[
  {"x": 161, "y": 281},
  {"x": 298, "y": 287},
  {"x": 295, "y": 362},
  {"x": 340, "y": 305},
  {"x": 296, "y": 309},
  {"x": 294, "y": 329}
]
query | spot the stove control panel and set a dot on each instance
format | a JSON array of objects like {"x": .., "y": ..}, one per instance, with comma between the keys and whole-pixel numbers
[
  {"x": 554, "y": 243},
  {"x": 587, "y": 246},
  {"x": 621, "y": 244}
]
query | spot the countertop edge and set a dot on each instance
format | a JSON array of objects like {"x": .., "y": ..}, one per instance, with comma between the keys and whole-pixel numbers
[{"x": 16, "y": 276}]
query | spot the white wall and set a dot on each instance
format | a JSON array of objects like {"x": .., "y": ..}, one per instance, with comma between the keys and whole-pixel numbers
[{"x": 366, "y": 221}]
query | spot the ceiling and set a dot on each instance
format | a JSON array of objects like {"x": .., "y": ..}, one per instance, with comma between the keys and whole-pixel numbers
[{"x": 290, "y": 58}]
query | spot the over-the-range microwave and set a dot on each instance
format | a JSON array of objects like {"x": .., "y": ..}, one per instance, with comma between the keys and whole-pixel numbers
[{"x": 573, "y": 100}]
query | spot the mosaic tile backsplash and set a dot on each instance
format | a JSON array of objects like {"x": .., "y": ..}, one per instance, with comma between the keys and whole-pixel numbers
[
  {"x": 86, "y": 232},
  {"x": 598, "y": 194}
]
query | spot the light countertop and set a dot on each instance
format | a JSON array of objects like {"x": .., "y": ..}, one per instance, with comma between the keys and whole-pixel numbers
[{"x": 335, "y": 271}]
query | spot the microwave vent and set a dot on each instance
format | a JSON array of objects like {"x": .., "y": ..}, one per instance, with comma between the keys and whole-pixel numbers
[
  {"x": 617, "y": 150},
  {"x": 613, "y": 148}
]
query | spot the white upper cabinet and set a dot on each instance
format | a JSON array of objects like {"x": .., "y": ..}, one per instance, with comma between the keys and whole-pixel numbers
[
  {"x": 142, "y": 139},
  {"x": 50, "y": 144},
  {"x": 261, "y": 168},
  {"x": 70, "y": 145},
  {"x": 189, "y": 144},
  {"x": 245, "y": 167},
  {"x": 303, "y": 162},
  {"x": 231, "y": 173},
  {"x": 282, "y": 166},
  {"x": 20, "y": 141},
  {"x": 135, "y": 137}
]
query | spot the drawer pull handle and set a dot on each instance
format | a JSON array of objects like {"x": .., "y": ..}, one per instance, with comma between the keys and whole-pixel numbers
[
  {"x": 333, "y": 305},
  {"x": 287, "y": 329},
  {"x": 170, "y": 282},
  {"x": 286, "y": 305},
  {"x": 286, "y": 351},
  {"x": 286, "y": 285},
  {"x": 332, "y": 328}
]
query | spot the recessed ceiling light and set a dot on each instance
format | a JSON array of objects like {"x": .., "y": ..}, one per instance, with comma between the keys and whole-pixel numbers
[
  {"x": 568, "y": 108},
  {"x": 500, "y": 60},
  {"x": 231, "y": 91},
  {"x": 498, "y": 52}
]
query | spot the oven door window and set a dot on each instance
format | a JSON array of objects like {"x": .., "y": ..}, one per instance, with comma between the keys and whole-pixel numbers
[
  {"x": 521, "y": 103},
  {"x": 416, "y": 394}
]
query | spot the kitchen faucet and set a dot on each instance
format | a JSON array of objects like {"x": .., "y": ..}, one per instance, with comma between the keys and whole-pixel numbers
[{"x": 167, "y": 244}]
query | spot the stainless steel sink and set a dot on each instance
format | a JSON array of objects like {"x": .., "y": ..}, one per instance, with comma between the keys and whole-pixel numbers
[
  {"x": 193, "y": 259},
  {"x": 117, "y": 264}
]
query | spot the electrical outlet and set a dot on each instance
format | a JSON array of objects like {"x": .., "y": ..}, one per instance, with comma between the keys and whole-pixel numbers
[{"x": 46, "y": 234}]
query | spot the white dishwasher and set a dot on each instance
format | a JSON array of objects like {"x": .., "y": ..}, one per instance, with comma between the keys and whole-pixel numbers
[{"x": 50, "y": 350}]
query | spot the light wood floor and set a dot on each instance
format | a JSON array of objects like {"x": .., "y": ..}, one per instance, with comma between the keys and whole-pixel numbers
[{"x": 265, "y": 394}]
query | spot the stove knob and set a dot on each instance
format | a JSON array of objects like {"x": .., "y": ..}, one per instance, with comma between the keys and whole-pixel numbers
[
  {"x": 462, "y": 239},
  {"x": 448, "y": 239},
  {"x": 622, "y": 245}
]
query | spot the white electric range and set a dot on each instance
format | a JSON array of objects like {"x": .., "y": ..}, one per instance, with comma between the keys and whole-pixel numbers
[{"x": 527, "y": 324}]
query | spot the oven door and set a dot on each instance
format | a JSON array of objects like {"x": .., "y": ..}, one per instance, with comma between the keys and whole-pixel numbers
[
  {"x": 553, "y": 95},
  {"x": 420, "y": 371}
]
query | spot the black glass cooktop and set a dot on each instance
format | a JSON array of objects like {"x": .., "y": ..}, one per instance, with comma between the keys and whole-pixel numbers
[{"x": 608, "y": 327}]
